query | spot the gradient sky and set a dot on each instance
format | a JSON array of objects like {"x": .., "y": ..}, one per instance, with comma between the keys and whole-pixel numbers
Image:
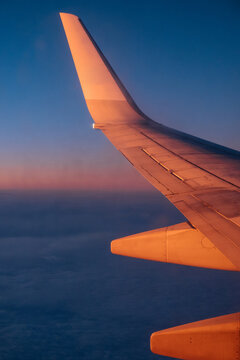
[{"x": 178, "y": 59}]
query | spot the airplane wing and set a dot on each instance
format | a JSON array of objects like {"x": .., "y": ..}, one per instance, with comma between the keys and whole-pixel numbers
[{"x": 200, "y": 178}]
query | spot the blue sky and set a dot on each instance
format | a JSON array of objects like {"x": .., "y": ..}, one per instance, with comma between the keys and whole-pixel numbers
[{"x": 179, "y": 60}]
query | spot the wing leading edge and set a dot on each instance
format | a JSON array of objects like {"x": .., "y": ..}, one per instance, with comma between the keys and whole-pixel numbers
[{"x": 200, "y": 178}]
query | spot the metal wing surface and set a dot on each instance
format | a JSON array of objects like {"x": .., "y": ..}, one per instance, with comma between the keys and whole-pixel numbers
[{"x": 200, "y": 178}]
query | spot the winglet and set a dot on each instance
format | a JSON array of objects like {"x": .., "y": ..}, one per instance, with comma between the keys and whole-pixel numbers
[{"x": 107, "y": 99}]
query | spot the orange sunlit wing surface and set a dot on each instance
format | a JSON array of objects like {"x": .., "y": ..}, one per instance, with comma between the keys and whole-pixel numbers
[
  {"x": 106, "y": 97},
  {"x": 200, "y": 178},
  {"x": 212, "y": 339},
  {"x": 177, "y": 244}
]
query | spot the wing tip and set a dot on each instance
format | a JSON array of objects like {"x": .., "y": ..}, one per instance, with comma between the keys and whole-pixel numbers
[{"x": 66, "y": 15}]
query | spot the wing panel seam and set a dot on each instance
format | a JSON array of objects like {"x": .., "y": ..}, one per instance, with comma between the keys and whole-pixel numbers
[{"x": 190, "y": 162}]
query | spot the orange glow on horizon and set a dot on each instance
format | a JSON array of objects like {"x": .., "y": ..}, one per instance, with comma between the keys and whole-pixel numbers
[{"x": 72, "y": 179}]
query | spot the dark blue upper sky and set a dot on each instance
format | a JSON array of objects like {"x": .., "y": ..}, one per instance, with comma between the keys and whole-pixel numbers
[{"x": 179, "y": 60}]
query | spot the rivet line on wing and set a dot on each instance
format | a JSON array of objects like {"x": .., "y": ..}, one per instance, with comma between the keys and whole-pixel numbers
[
  {"x": 165, "y": 167},
  {"x": 188, "y": 161}
]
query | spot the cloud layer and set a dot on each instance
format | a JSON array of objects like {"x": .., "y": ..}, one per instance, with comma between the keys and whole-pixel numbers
[{"x": 64, "y": 296}]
